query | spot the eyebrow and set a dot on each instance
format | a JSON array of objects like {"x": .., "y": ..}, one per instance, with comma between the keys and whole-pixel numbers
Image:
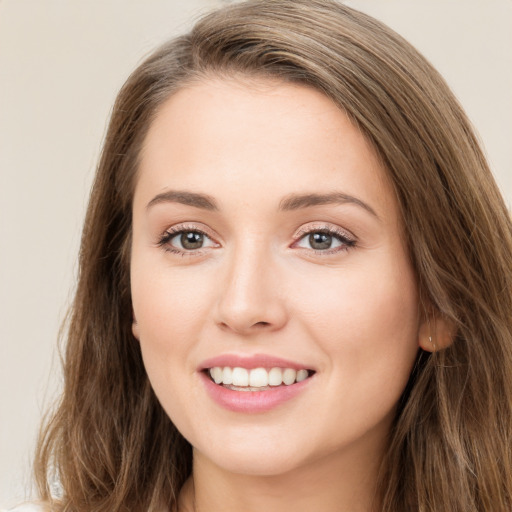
[
  {"x": 297, "y": 201},
  {"x": 289, "y": 203},
  {"x": 202, "y": 201}
]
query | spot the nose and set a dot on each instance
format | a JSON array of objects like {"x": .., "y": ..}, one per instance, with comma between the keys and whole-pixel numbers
[{"x": 251, "y": 298}]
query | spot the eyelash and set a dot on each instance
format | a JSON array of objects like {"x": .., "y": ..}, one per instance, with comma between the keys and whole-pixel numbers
[
  {"x": 172, "y": 232},
  {"x": 346, "y": 241},
  {"x": 342, "y": 236}
]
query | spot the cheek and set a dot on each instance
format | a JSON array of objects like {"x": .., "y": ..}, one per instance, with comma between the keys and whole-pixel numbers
[
  {"x": 366, "y": 320},
  {"x": 367, "y": 325},
  {"x": 166, "y": 300},
  {"x": 168, "y": 312},
  {"x": 378, "y": 300},
  {"x": 169, "y": 305}
]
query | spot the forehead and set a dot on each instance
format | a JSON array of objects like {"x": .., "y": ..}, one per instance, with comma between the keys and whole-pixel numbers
[{"x": 262, "y": 134}]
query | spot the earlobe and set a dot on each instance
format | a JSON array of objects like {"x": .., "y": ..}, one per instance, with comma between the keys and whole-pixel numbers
[
  {"x": 135, "y": 327},
  {"x": 436, "y": 333}
]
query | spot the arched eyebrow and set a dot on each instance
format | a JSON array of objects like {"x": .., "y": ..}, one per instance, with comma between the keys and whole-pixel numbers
[
  {"x": 298, "y": 201},
  {"x": 203, "y": 201},
  {"x": 288, "y": 203}
]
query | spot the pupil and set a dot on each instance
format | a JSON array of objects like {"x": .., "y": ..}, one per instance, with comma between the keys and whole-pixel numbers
[
  {"x": 191, "y": 240},
  {"x": 320, "y": 241}
]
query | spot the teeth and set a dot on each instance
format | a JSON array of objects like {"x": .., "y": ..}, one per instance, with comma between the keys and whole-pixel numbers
[
  {"x": 275, "y": 377},
  {"x": 302, "y": 375},
  {"x": 227, "y": 375},
  {"x": 240, "y": 377},
  {"x": 289, "y": 376},
  {"x": 257, "y": 377},
  {"x": 217, "y": 375}
]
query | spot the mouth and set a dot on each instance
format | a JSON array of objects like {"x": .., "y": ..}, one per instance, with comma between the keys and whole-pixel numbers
[
  {"x": 255, "y": 383},
  {"x": 256, "y": 379}
]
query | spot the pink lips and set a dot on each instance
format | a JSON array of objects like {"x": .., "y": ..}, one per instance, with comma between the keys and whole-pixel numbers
[
  {"x": 250, "y": 362},
  {"x": 251, "y": 401}
]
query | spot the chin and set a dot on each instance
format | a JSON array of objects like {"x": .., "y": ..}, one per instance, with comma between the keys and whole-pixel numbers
[
  {"x": 265, "y": 457},
  {"x": 256, "y": 463}
]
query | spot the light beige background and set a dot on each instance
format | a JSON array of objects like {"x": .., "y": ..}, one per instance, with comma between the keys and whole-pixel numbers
[{"x": 61, "y": 63}]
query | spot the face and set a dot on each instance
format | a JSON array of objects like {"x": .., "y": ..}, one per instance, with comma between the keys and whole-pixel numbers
[{"x": 267, "y": 252}]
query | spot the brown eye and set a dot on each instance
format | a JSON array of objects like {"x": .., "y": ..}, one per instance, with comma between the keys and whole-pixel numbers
[
  {"x": 186, "y": 241},
  {"x": 320, "y": 241},
  {"x": 191, "y": 240},
  {"x": 325, "y": 240}
]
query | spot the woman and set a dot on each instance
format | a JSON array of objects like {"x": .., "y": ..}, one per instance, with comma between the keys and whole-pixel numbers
[{"x": 295, "y": 285}]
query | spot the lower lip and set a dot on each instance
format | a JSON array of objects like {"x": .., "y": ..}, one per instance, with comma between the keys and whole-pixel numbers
[{"x": 252, "y": 401}]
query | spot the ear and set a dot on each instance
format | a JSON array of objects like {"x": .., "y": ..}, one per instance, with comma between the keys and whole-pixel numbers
[
  {"x": 436, "y": 333},
  {"x": 135, "y": 327}
]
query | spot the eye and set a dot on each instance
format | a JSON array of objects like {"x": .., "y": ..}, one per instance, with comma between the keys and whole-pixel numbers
[
  {"x": 325, "y": 240},
  {"x": 185, "y": 240}
]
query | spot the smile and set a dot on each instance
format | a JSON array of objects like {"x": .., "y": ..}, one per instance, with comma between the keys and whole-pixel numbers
[
  {"x": 256, "y": 379},
  {"x": 255, "y": 384}
]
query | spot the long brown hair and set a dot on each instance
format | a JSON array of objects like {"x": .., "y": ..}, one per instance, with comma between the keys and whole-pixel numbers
[{"x": 109, "y": 442}]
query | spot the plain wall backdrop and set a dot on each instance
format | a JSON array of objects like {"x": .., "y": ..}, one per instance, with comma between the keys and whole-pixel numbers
[{"x": 61, "y": 65}]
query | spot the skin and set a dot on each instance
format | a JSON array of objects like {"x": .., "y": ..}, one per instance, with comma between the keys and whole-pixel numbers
[{"x": 258, "y": 287}]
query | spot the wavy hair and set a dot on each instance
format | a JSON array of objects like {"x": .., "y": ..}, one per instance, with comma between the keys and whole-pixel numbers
[{"x": 110, "y": 443}]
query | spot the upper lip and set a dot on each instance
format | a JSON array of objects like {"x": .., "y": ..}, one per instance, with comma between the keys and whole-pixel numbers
[{"x": 250, "y": 362}]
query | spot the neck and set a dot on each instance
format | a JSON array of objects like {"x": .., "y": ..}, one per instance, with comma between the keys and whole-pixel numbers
[{"x": 332, "y": 484}]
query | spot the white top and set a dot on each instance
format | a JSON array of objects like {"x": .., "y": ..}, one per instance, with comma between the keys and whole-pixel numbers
[{"x": 26, "y": 507}]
